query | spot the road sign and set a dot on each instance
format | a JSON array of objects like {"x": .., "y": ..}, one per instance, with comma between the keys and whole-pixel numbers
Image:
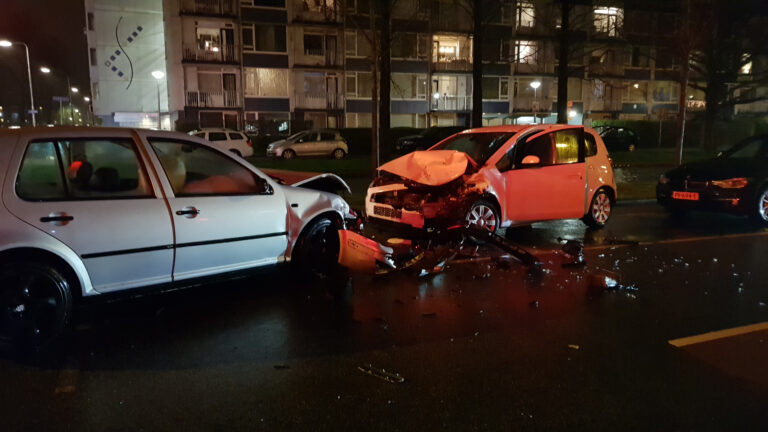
[{"x": 60, "y": 99}]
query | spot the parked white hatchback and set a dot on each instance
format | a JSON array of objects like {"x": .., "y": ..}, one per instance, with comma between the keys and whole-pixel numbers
[
  {"x": 227, "y": 139},
  {"x": 89, "y": 211}
]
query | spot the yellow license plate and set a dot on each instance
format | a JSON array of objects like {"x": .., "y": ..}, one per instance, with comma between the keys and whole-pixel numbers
[{"x": 688, "y": 196}]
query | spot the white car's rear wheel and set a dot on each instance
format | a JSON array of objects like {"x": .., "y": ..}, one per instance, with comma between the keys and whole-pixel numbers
[{"x": 35, "y": 303}]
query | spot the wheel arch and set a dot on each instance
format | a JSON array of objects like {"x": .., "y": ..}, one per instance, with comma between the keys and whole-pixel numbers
[
  {"x": 328, "y": 213},
  {"x": 50, "y": 258}
]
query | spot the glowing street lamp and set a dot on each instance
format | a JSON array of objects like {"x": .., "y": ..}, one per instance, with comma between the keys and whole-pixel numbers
[
  {"x": 75, "y": 90},
  {"x": 7, "y": 44},
  {"x": 45, "y": 70}
]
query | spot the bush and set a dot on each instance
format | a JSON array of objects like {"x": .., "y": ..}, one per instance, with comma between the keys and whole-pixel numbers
[{"x": 726, "y": 133}]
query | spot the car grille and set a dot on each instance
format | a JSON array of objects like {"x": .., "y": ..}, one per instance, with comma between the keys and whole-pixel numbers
[{"x": 387, "y": 212}]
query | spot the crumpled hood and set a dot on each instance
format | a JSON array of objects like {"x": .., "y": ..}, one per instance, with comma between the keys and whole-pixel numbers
[{"x": 431, "y": 168}]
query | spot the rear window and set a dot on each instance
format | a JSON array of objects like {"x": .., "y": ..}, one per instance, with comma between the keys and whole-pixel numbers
[
  {"x": 326, "y": 136},
  {"x": 217, "y": 136},
  {"x": 235, "y": 136},
  {"x": 478, "y": 146},
  {"x": 591, "y": 144}
]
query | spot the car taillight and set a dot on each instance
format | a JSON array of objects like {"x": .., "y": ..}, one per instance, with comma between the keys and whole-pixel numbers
[
  {"x": 250, "y": 144},
  {"x": 610, "y": 161}
]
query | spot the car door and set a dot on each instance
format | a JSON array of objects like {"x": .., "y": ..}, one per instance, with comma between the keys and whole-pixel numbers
[
  {"x": 226, "y": 216},
  {"x": 306, "y": 144},
  {"x": 554, "y": 188},
  {"x": 327, "y": 143},
  {"x": 95, "y": 196}
]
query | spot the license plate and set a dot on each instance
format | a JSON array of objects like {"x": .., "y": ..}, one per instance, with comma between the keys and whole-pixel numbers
[
  {"x": 688, "y": 196},
  {"x": 387, "y": 212}
]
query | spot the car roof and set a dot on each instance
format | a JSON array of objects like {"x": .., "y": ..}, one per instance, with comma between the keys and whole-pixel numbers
[{"x": 44, "y": 132}]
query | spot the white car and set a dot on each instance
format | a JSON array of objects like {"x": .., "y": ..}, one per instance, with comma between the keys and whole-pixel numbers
[
  {"x": 87, "y": 212},
  {"x": 227, "y": 139}
]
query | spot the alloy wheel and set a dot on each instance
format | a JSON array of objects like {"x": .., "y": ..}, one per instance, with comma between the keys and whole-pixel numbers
[
  {"x": 601, "y": 208},
  {"x": 482, "y": 216}
]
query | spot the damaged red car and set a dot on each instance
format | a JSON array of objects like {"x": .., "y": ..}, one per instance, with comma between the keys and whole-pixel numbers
[{"x": 497, "y": 177}]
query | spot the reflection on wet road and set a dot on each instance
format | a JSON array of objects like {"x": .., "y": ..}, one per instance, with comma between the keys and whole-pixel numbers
[{"x": 480, "y": 346}]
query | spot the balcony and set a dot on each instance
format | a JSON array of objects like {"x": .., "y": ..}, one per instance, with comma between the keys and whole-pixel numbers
[
  {"x": 324, "y": 101},
  {"x": 451, "y": 103},
  {"x": 317, "y": 11},
  {"x": 209, "y": 7},
  {"x": 452, "y": 65},
  {"x": 213, "y": 99},
  {"x": 227, "y": 54}
]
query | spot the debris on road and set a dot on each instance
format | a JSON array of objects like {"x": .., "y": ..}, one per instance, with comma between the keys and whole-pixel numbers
[
  {"x": 573, "y": 346},
  {"x": 382, "y": 374}
]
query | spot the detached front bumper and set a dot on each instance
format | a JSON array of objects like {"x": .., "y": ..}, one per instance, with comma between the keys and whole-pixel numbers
[{"x": 708, "y": 198}]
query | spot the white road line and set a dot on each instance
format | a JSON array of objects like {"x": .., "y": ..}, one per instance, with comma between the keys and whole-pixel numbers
[{"x": 720, "y": 334}]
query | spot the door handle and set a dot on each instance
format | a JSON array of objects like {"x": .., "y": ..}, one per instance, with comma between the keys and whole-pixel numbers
[
  {"x": 56, "y": 218},
  {"x": 188, "y": 212}
]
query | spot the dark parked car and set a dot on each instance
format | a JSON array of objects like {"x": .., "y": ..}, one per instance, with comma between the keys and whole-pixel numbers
[
  {"x": 618, "y": 138},
  {"x": 736, "y": 181},
  {"x": 426, "y": 139}
]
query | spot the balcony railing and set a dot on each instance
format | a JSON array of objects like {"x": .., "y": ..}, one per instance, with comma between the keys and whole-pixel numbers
[
  {"x": 452, "y": 65},
  {"x": 219, "y": 98},
  {"x": 325, "y": 11},
  {"x": 452, "y": 103},
  {"x": 209, "y": 7},
  {"x": 328, "y": 101},
  {"x": 227, "y": 54}
]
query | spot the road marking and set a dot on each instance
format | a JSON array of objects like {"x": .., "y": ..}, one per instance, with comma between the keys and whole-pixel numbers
[
  {"x": 67, "y": 380},
  {"x": 720, "y": 334}
]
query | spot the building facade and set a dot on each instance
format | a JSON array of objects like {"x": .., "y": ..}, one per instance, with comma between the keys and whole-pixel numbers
[{"x": 277, "y": 66}]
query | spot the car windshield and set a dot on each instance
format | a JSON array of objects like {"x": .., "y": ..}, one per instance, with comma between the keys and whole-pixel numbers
[
  {"x": 296, "y": 136},
  {"x": 748, "y": 149},
  {"x": 478, "y": 146}
]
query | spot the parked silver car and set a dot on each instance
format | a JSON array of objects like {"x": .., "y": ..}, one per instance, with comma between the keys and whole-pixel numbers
[
  {"x": 322, "y": 142},
  {"x": 101, "y": 210}
]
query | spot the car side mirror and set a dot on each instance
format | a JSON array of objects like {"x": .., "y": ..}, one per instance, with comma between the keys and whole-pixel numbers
[{"x": 531, "y": 160}]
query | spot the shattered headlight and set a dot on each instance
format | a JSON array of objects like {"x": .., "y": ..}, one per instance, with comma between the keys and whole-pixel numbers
[{"x": 732, "y": 183}]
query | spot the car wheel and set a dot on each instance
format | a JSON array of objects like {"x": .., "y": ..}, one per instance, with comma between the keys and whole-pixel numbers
[
  {"x": 483, "y": 214},
  {"x": 236, "y": 151},
  {"x": 289, "y": 154},
  {"x": 338, "y": 153},
  {"x": 317, "y": 249},
  {"x": 599, "y": 210},
  {"x": 35, "y": 303},
  {"x": 760, "y": 214}
]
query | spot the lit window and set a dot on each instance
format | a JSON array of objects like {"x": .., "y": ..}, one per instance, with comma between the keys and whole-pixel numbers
[
  {"x": 609, "y": 20},
  {"x": 525, "y": 51},
  {"x": 524, "y": 14}
]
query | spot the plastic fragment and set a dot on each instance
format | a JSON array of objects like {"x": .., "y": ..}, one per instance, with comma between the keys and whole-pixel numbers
[
  {"x": 382, "y": 374},
  {"x": 573, "y": 346}
]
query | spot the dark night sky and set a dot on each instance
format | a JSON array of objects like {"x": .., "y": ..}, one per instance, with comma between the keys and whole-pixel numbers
[{"x": 53, "y": 29}]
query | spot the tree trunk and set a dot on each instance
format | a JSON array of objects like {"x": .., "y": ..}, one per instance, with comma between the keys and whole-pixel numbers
[
  {"x": 477, "y": 64},
  {"x": 374, "y": 93},
  {"x": 562, "y": 64},
  {"x": 385, "y": 76}
]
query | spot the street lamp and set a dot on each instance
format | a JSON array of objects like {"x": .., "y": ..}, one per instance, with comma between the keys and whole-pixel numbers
[
  {"x": 7, "y": 44},
  {"x": 535, "y": 85},
  {"x": 158, "y": 75}
]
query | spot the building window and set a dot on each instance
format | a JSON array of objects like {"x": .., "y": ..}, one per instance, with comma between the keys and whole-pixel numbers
[
  {"x": 267, "y": 123},
  {"x": 665, "y": 58},
  {"x": 409, "y": 86},
  {"x": 524, "y": 14},
  {"x": 313, "y": 45},
  {"x": 94, "y": 61},
  {"x": 350, "y": 43},
  {"x": 263, "y": 82},
  {"x": 404, "y": 46},
  {"x": 495, "y": 88},
  {"x": 637, "y": 92},
  {"x": 525, "y": 51},
  {"x": 268, "y": 38},
  {"x": 208, "y": 39},
  {"x": 90, "y": 21},
  {"x": 639, "y": 57},
  {"x": 665, "y": 91},
  {"x": 248, "y": 37},
  {"x": 359, "y": 85},
  {"x": 609, "y": 20},
  {"x": 356, "y": 45}
]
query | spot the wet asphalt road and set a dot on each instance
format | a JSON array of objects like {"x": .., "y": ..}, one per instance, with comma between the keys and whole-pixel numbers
[{"x": 480, "y": 346}]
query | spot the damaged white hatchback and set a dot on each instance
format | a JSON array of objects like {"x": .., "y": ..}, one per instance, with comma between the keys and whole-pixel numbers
[
  {"x": 92, "y": 211},
  {"x": 496, "y": 177}
]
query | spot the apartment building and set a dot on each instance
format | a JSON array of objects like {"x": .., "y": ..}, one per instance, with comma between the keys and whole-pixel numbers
[{"x": 275, "y": 66}]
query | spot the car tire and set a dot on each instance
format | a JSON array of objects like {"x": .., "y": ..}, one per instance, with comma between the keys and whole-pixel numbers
[
  {"x": 236, "y": 151},
  {"x": 599, "y": 210},
  {"x": 485, "y": 215},
  {"x": 316, "y": 252},
  {"x": 759, "y": 213},
  {"x": 35, "y": 303},
  {"x": 339, "y": 153},
  {"x": 289, "y": 154}
]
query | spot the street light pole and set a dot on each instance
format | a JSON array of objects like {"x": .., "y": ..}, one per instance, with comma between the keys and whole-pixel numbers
[
  {"x": 158, "y": 75},
  {"x": 6, "y": 44}
]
